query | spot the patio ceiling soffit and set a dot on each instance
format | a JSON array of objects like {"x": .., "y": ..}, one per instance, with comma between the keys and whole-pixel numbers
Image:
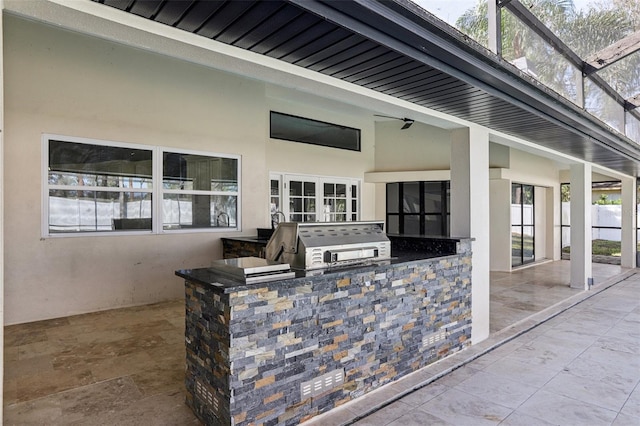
[{"x": 396, "y": 48}]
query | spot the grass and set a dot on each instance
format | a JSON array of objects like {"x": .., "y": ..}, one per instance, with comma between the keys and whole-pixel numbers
[{"x": 601, "y": 248}]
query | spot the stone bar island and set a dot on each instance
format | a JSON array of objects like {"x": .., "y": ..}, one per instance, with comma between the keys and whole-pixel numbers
[{"x": 283, "y": 351}]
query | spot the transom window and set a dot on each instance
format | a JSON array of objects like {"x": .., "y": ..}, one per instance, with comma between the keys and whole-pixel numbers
[{"x": 105, "y": 187}]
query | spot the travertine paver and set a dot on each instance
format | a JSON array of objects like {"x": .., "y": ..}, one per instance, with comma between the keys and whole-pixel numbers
[{"x": 581, "y": 368}]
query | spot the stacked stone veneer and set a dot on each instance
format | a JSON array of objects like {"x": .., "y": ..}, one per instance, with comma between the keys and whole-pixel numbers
[{"x": 250, "y": 347}]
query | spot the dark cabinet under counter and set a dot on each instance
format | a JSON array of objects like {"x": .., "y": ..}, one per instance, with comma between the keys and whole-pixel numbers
[
  {"x": 422, "y": 246},
  {"x": 233, "y": 248}
]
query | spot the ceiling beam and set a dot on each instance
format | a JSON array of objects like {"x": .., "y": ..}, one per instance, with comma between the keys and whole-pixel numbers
[
  {"x": 613, "y": 53},
  {"x": 634, "y": 100}
]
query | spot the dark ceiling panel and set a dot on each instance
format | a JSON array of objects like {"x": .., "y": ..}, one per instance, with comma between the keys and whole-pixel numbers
[
  {"x": 413, "y": 90},
  {"x": 323, "y": 47},
  {"x": 173, "y": 11},
  {"x": 367, "y": 60},
  {"x": 365, "y": 43},
  {"x": 276, "y": 45},
  {"x": 298, "y": 45},
  {"x": 239, "y": 19},
  {"x": 443, "y": 89},
  {"x": 147, "y": 9},
  {"x": 380, "y": 70},
  {"x": 120, "y": 4},
  {"x": 260, "y": 39},
  {"x": 338, "y": 53},
  {"x": 414, "y": 75},
  {"x": 198, "y": 15},
  {"x": 223, "y": 20}
]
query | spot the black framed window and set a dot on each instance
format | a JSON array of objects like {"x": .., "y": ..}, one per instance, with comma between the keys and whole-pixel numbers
[
  {"x": 299, "y": 129},
  {"x": 418, "y": 208},
  {"x": 606, "y": 225}
]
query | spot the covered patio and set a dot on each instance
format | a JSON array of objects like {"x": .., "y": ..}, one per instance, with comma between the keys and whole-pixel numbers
[{"x": 126, "y": 366}]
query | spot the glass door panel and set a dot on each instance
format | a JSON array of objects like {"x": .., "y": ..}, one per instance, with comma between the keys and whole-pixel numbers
[
  {"x": 516, "y": 245},
  {"x": 335, "y": 206},
  {"x": 527, "y": 244},
  {"x": 354, "y": 202},
  {"x": 522, "y": 224},
  {"x": 316, "y": 198},
  {"x": 302, "y": 200}
]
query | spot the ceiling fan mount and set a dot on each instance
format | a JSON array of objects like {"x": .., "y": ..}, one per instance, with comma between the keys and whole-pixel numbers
[{"x": 408, "y": 122}]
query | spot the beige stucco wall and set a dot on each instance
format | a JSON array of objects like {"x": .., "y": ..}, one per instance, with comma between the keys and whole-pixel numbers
[
  {"x": 420, "y": 147},
  {"x": 69, "y": 84},
  {"x": 543, "y": 173}
]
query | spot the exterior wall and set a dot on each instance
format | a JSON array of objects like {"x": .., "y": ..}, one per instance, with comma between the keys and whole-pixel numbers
[
  {"x": 532, "y": 169},
  {"x": 423, "y": 147},
  {"x": 65, "y": 83},
  {"x": 300, "y": 158},
  {"x": 250, "y": 348}
]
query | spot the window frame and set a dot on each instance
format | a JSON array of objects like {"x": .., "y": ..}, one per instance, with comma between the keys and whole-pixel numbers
[
  {"x": 157, "y": 191},
  {"x": 161, "y": 191},
  {"x": 327, "y": 143},
  {"x": 401, "y": 214},
  {"x": 284, "y": 180}
]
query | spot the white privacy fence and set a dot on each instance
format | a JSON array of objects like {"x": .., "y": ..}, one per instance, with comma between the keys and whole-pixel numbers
[{"x": 606, "y": 222}]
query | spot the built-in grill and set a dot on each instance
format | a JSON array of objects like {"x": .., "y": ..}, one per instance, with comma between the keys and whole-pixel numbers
[
  {"x": 328, "y": 244},
  {"x": 253, "y": 270}
]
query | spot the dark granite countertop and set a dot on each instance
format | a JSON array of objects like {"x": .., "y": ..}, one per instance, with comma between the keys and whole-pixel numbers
[
  {"x": 248, "y": 239},
  {"x": 219, "y": 280},
  {"x": 427, "y": 237}
]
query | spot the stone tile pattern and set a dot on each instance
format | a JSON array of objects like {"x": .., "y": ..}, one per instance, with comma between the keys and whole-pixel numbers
[
  {"x": 234, "y": 248},
  {"x": 250, "y": 348}
]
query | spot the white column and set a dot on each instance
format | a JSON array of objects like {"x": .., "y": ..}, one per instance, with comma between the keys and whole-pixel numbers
[
  {"x": 470, "y": 215},
  {"x": 629, "y": 224},
  {"x": 2, "y": 131},
  {"x": 500, "y": 225},
  {"x": 580, "y": 226}
]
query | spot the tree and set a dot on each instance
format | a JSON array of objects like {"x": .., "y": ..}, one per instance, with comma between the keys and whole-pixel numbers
[{"x": 585, "y": 31}]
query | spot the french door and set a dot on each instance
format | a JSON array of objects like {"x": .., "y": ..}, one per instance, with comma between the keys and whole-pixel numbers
[
  {"x": 319, "y": 199},
  {"x": 522, "y": 224}
]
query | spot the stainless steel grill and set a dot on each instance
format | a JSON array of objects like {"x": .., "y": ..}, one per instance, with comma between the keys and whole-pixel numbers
[
  {"x": 327, "y": 244},
  {"x": 252, "y": 269}
]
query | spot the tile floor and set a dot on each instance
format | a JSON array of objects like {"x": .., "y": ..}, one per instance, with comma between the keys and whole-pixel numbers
[
  {"x": 118, "y": 367},
  {"x": 581, "y": 367},
  {"x": 126, "y": 366},
  {"x": 523, "y": 292}
]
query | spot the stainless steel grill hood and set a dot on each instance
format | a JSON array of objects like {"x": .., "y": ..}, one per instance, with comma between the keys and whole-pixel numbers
[{"x": 326, "y": 244}]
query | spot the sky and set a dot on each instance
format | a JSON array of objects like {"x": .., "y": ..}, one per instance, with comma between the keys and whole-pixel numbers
[{"x": 450, "y": 10}]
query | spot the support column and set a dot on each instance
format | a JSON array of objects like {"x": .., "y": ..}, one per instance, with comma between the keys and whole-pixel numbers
[
  {"x": 2, "y": 132},
  {"x": 629, "y": 223},
  {"x": 500, "y": 226},
  {"x": 581, "y": 275},
  {"x": 470, "y": 215}
]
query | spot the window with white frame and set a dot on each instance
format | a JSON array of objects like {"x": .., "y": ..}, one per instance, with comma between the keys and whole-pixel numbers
[
  {"x": 306, "y": 198},
  {"x": 105, "y": 187}
]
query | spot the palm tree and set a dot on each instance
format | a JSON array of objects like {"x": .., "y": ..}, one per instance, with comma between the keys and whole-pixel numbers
[{"x": 585, "y": 32}]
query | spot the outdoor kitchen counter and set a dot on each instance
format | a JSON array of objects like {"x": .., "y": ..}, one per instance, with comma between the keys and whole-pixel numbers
[
  {"x": 283, "y": 351},
  {"x": 403, "y": 247}
]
